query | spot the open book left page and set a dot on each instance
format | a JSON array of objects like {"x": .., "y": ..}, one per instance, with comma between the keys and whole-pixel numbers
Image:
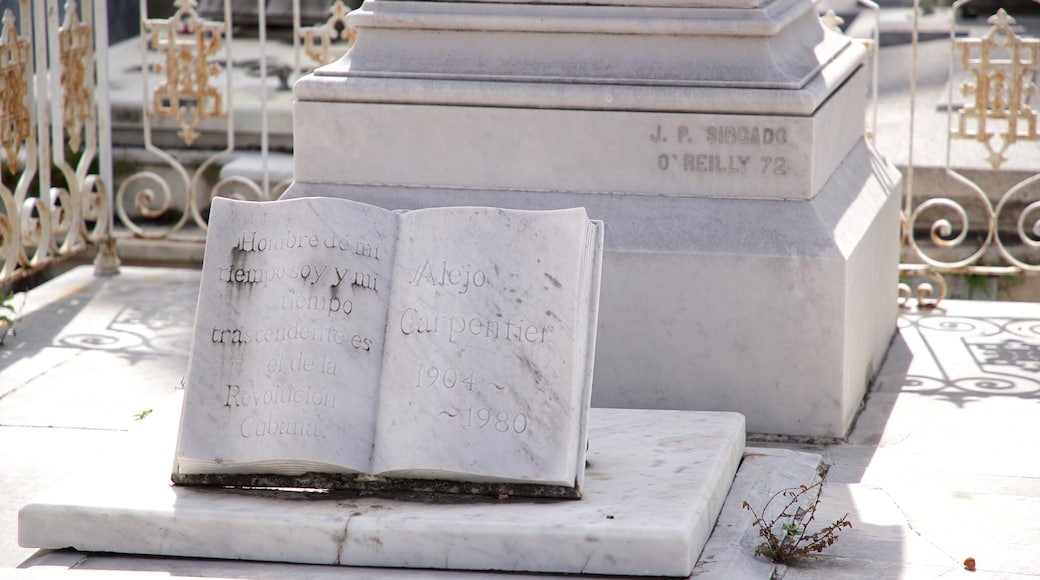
[{"x": 285, "y": 361}]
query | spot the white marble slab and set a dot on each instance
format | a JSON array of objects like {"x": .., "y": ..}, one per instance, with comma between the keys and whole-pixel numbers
[
  {"x": 656, "y": 484},
  {"x": 663, "y": 3},
  {"x": 287, "y": 347},
  {"x": 489, "y": 348},
  {"x": 739, "y": 274},
  {"x": 707, "y": 300},
  {"x": 337, "y": 338},
  {"x": 666, "y": 153},
  {"x": 779, "y": 45}
]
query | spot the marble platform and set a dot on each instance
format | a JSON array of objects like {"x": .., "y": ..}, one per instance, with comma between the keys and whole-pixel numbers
[{"x": 656, "y": 483}]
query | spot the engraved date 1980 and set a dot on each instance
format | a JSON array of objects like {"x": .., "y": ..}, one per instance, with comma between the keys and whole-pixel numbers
[{"x": 484, "y": 418}]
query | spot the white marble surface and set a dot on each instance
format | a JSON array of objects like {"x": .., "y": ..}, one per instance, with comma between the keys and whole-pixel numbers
[
  {"x": 489, "y": 346},
  {"x": 779, "y": 45},
  {"x": 449, "y": 343},
  {"x": 668, "y": 153},
  {"x": 728, "y": 554},
  {"x": 677, "y": 3},
  {"x": 287, "y": 349},
  {"x": 779, "y": 310},
  {"x": 747, "y": 286},
  {"x": 656, "y": 483},
  {"x": 770, "y": 58}
]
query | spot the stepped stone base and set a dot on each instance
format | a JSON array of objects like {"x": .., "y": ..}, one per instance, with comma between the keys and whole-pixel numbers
[
  {"x": 751, "y": 241},
  {"x": 655, "y": 485}
]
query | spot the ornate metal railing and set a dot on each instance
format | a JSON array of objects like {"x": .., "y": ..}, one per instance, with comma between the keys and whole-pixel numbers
[
  {"x": 54, "y": 188},
  {"x": 319, "y": 41},
  {"x": 969, "y": 230},
  {"x": 188, "y": 81}
]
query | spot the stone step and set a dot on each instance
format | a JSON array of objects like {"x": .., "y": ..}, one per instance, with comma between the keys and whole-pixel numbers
[
  {"x": 656, "y": 485},
  {"x": 67, "y": 508}
]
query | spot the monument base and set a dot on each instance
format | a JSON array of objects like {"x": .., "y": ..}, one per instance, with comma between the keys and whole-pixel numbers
[
  {"x": 781, "y": 310},
  {"x": 655, "y": 485}
]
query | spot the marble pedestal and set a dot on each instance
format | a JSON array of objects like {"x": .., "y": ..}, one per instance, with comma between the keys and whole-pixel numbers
[
  {"x": 654, "y": 488},
  {"x": 751, "y": 232}
]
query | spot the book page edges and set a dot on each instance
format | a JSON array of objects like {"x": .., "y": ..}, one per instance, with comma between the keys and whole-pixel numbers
[
  {"x": 592, "y": 320},
  {"x": 289, "y": 467}
]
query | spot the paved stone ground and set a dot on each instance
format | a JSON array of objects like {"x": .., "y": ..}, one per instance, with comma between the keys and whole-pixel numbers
[
  {"x": 938, "y": 468},
  {"x": 940, "y": 464},
  {"x": 89, "y": 356}
]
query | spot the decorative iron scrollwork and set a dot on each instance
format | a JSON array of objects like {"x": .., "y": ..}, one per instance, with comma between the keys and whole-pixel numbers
[
  {"x": 925, "y": 286},
  {"x": 971, "y": 231},
  {"x": 76, "y": 41},
  {"x": 1001, "y": 66},
  {"x": 188, "y": 42},
  {"x": 15, "y": 116},
  {"x": 318, "y": 39}
]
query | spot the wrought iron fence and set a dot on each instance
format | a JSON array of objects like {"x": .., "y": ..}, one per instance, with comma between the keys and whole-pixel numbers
[
  {"x": 56, "y": 189},
  {"x": 58, "y": 194},
  {"x": 56, "y": 171},
  {"x": 976, "y": 226},
  {"x": 189, "y": 81}
]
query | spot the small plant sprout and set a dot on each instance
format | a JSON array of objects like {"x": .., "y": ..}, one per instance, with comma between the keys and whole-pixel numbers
[
  {"x": 7, "y": 315},
  {"x": 787, "y": 537}
]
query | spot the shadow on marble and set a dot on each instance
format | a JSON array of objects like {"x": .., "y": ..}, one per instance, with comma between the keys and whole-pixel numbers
[
  {"x": 125, "y": 316},
  {"x": 969, "y": 359},
  {"x": 933, "y": 471}
]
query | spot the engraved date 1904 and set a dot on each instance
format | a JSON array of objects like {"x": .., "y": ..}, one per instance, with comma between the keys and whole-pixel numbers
[{"x": 450, "y": 378}]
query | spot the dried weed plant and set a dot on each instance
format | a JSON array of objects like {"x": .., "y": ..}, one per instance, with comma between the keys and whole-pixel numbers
[
  {"x": 786, "y": 536},
  {"x": 7, "y": 315}
]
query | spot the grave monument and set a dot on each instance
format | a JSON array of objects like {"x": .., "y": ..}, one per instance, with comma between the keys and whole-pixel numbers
[
  {"x": 749, "y": 264},
  {"x": 342, "y": 345},
  {"x": 401, "y": 389},
  {"x": 752, "y": 233}
]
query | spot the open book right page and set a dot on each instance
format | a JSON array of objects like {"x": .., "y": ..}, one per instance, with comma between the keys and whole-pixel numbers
[{"x": 486, "y": 371}]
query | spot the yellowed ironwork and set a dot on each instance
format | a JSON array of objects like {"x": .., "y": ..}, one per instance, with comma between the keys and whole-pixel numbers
[
  {"x": 190, "y": 46},
  {"x": 921, "y": 284},
  {"x": 188, "y": 42},
  {"x": 1001, "y": 66},
  {"x": 1000, "y": 234},
  {"x": 15, "y": 117},
  {"x": 318, "y": 39},
  {"x": 831, "y": 20},
  {"x": 76, "y": 40},
  {"x": 47, "y": 102}
]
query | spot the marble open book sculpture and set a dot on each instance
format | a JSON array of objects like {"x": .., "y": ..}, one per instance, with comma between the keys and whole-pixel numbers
[{"x": 342, "y": 345}]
